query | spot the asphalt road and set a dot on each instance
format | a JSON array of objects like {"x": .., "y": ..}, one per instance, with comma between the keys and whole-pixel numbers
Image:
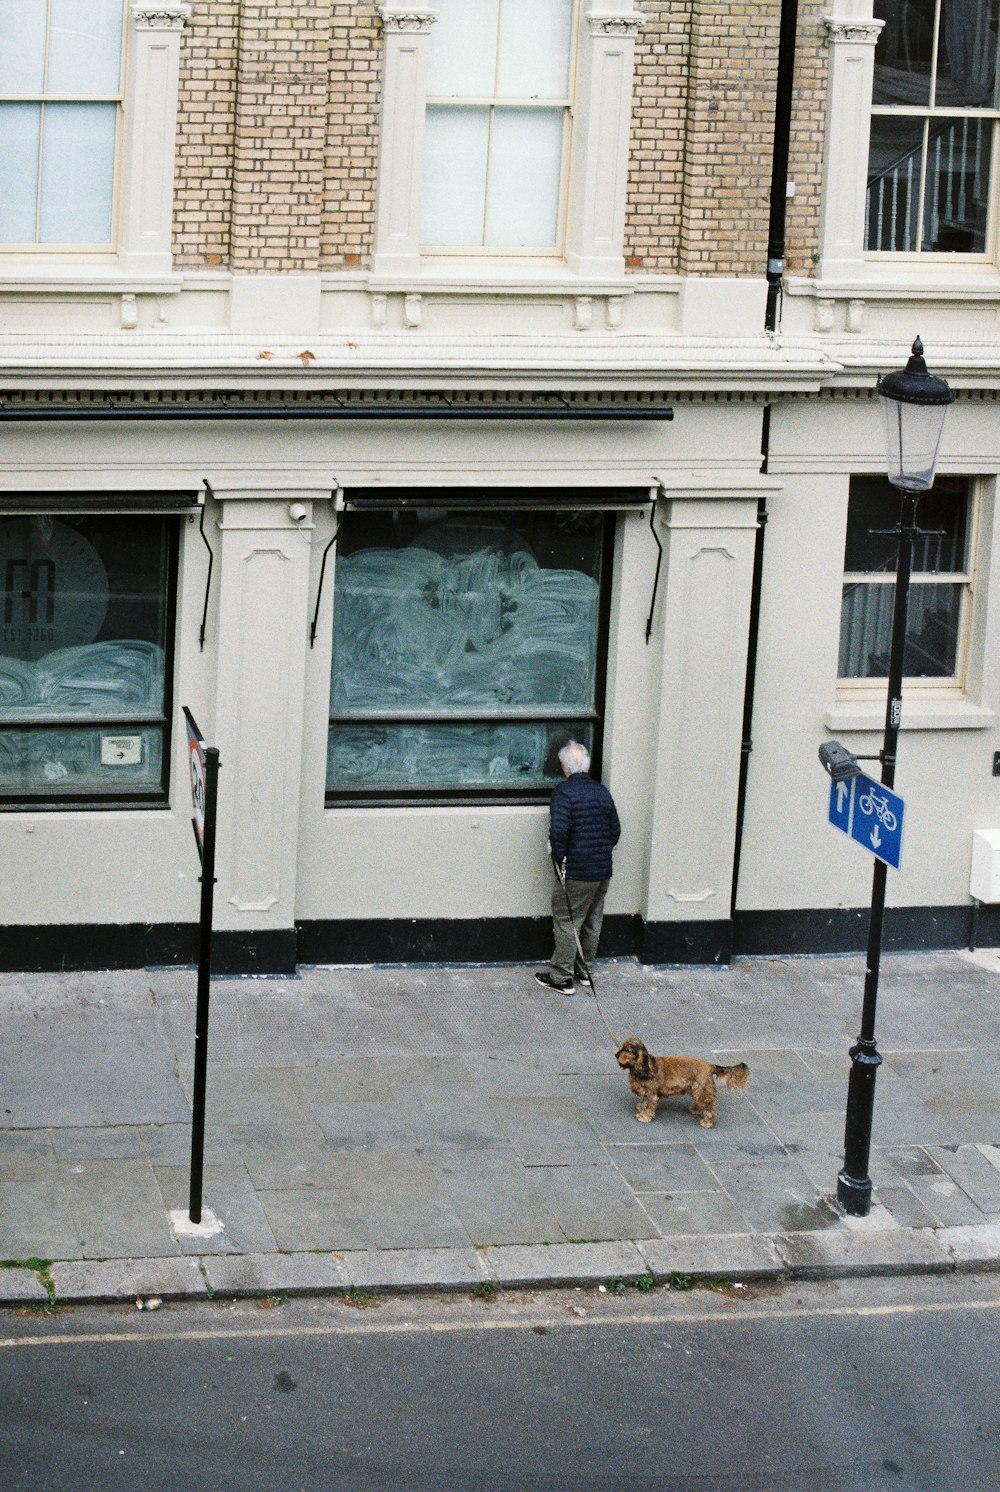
[{"x": 866, "y": 1384}]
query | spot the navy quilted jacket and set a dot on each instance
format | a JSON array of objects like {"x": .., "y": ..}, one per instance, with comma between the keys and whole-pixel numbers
[{"x": 583, "y": 827}]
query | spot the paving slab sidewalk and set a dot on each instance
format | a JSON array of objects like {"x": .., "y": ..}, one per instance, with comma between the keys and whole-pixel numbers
[{"x": 453, "y": 1127}]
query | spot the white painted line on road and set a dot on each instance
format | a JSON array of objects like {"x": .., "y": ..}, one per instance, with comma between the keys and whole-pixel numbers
[{"x": 412, "y": 1328}]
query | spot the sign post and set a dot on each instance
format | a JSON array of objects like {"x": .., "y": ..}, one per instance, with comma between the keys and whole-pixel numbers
[
  {"x": 871, "y": 814},
  {"x": 203, "y": 762}
]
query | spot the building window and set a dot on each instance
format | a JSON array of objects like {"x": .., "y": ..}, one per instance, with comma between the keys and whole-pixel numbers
[
  {"x": 933, "y": 128},
  {"x": 60, "y": 101},
  {"x": 467, "y": 648},
  {"x": 497, "y": 124},
  {"x": 85, "y": 645},
  {"x": 940, "y": 584}
]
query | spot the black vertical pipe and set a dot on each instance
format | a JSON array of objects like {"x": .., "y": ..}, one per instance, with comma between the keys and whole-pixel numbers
[
  {"x": 204, "y": 978},
  {"x": 854, "y": 1187},
  {"x": 779, "y": 161},
  {"x": 775, "y": 272}
]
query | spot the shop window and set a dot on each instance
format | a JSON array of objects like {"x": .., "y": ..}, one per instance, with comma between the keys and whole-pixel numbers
[
  {"x": 85, "y": 658},
  {"x": 60, "y": 102},
  {"x": 940, "y": 583},
  {"x": 467, "y": 648},
  {"x": 497, "y": 124},
  {"x": 935, "y": 109}
]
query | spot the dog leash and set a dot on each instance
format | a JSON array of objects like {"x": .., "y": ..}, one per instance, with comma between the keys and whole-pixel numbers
[{"x": 588, "y": 967}]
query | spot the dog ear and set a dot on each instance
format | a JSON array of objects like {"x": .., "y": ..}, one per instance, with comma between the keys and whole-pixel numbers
[{"x": 643, "y": 1064}]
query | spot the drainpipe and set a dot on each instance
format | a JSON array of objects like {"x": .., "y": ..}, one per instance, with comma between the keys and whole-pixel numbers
[
  {"x": 779, "y": 162},
  {"x": 775, "y": 274}
]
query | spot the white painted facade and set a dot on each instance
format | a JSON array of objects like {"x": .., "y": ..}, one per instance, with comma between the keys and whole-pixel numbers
[{"x": 581, "y": 327}]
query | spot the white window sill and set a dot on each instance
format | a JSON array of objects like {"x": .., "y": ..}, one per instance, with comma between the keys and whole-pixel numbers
[
  {"x": 919, "y": 714},
  {"x": 489, "y": 276},
  {"x": 905, "y": 279},
  {"x": 80, "y": 274}
]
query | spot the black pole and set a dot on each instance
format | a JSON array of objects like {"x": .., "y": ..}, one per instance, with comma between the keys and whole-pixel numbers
[
  {"x": 204, "y": 976},
  {"x": 854, "y": 1187},
  {"x": 783, "y": 96}
]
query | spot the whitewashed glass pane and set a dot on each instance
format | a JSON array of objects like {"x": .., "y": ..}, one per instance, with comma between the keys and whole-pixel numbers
[
  {"x": 454, "y": 181},
  {"x": 64, "y": 762},
  {"x": 463, "y": 49},
  {"x": 78, "y": 162},
  {"x": 18, "y": 171},
  {"x": 22, "y": 46},
  {"x": 85, "y": 46},
  {"x": 535, "y": 40},
  {"x": 522, "y": 210},
  {"x": 477, "y": 756}
]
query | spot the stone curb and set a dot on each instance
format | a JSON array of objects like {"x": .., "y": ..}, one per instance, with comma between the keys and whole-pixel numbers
[
  {"x": 85, "y": 1281},
  {"x": 21, "y": 1287},
  {"x": 841, "y": 1253}
]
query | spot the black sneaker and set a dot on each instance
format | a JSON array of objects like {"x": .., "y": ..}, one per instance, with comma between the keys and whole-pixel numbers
[
  {"x": 583, "y": 977},
  {"x": 545, "y": 979}
]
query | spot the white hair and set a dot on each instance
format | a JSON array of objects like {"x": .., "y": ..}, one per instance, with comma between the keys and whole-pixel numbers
[{"x": 574, "y": 758}]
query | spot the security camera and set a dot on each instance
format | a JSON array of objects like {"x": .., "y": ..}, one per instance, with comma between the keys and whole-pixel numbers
[
  {"x": 838, "y": 761},
  {"x": 297, "y": 512}
]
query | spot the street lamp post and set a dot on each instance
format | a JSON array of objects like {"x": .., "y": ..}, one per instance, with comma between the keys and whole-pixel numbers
[{"x": 914, "y": 404}]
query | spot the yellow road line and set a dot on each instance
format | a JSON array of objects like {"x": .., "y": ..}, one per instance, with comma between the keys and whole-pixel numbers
[{"x": 410, "y": 1328}]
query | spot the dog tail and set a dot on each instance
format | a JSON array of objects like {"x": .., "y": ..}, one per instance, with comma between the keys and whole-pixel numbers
[{"x": 733, "y": 1077}]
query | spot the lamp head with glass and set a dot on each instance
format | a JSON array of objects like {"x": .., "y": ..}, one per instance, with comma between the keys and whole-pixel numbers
[{"x": 914, "y": 404}]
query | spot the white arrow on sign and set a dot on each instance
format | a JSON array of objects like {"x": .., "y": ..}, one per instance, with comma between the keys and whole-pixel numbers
[
  {"x": 875, "y": 837},
  {"x": 842, "y": 793}
]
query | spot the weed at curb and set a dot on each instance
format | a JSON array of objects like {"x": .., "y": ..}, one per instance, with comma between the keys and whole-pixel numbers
[
  {"x": 644, "y": 1282},
  {"x": 616, "y": 1285},
  {"x": 272, "y": 1302},
  {"x": 361, "y": 1300},
  {"x": 486, "y": 1290},
  {"x": 680, "y": 1281},
  {"x": 42, "y": 1268}
]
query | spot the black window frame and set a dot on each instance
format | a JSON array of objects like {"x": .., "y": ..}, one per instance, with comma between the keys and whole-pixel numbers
[
  {"x": 113, "y": 800},
  {"x": 504, "y": 795}
]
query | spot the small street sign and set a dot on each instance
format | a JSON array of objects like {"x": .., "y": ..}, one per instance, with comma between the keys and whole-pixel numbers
[
  {"x": 870, "y": 814},
  {"x": 196, "y": 749}
]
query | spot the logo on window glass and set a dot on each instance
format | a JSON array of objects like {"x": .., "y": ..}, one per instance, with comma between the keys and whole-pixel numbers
[{"x": 55, "y": 588}]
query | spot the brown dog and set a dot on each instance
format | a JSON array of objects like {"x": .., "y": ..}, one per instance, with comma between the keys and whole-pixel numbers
[{"x": 653, "y": 1078}]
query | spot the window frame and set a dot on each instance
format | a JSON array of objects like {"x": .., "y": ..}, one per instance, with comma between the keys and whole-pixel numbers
[
  {"x": 954, "y": 686},
  {"x": 492, "y": 103},
  {"x": 43, "y": 99},
  {"x": 503, "y": 795},
  {"x": 927, "y": 114},
  {"x": 597, "y": 172},
  {"x": 158, "y": 797}
]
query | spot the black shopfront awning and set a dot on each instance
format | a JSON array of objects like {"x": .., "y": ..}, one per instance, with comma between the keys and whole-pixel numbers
[
  {"x": 483, "y": 499},
  {"x": 182, "y": 501}
]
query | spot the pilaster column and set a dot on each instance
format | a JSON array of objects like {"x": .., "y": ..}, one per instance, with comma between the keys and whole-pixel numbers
[
  {"x": 853, "y": 34},
  {"x": 150, "y": 114},
  {"x": 603, "y": 109},
  {"x": 262, "y": 646},
  {"x": 708, "y": 574},
  {"x": 406, "y": 29}
]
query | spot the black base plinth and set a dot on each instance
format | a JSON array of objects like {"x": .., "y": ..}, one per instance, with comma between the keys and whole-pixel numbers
[{"x": 854, "y": 1194}]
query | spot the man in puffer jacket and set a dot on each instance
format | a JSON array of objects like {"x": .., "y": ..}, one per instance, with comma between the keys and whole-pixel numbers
[{"x": 583, "y": 830}]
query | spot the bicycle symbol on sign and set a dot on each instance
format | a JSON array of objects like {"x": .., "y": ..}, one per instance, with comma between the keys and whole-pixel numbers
[{"x": 874, "y": 806}]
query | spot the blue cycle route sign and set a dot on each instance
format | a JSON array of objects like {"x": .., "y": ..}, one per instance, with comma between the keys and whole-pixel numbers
[{"x": 870, "y": 814}]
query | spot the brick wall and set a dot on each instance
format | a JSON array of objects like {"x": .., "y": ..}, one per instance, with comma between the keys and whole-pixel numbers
[
  {"x": 656, "y": 150},
  {"x": 352, "y": 135},
  {"x": 277, "y": 134},
  {"x": 730, "y": 123},
  {"x": 206, "y": 132}
]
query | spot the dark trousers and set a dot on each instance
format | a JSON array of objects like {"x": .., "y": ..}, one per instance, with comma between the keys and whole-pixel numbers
[{"x": 581, "y": 904}]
